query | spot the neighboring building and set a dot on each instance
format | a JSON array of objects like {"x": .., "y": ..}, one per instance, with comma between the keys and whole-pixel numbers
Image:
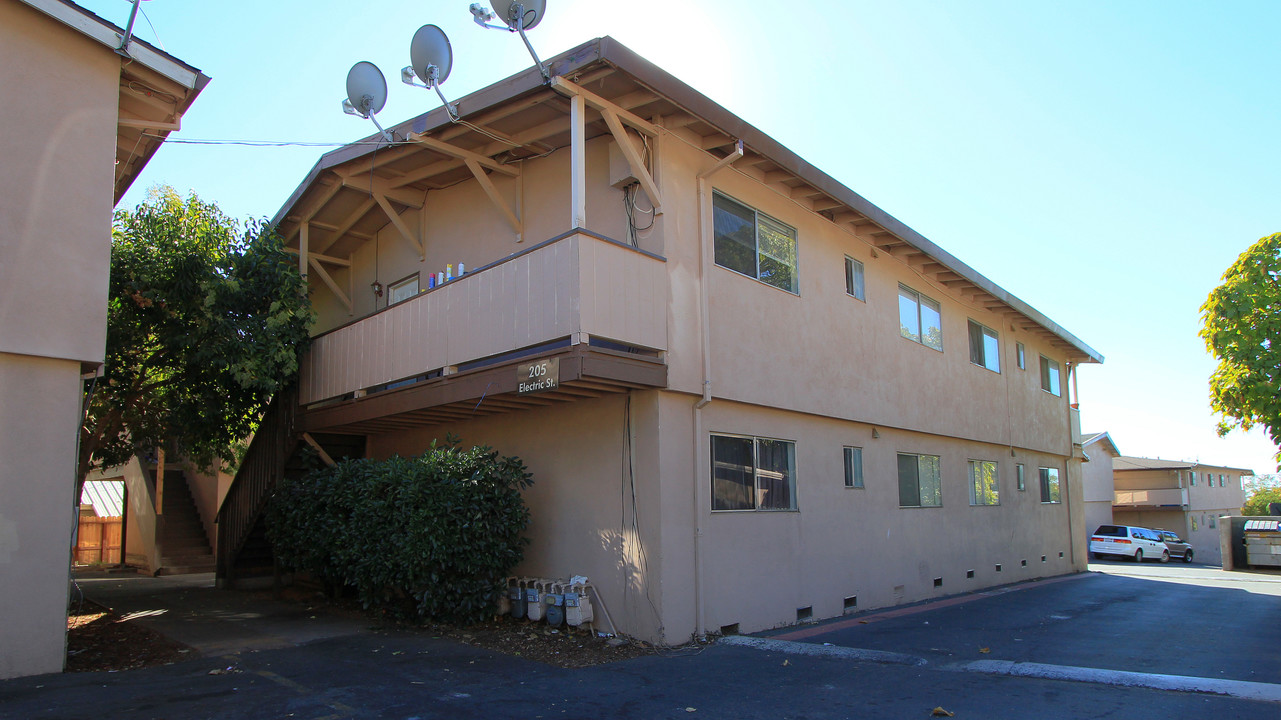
[
  {"x": 1186, "y": 497},
  {"x": 1096, "y": 479},
  {"x": 748, "y": 396},
  {"x": 78, "y": 123}
]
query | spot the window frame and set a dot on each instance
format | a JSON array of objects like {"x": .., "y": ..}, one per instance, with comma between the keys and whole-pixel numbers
[
  {"x": 757, "y": 215},
  {"x": 938, "y": 480},
  {"x": 1057, "y": 390},
  {"x": 757, "y": 489},
  {"x": 981, "y": 350},
  {"x": 975, "y": 500},
  {"x": 905, "y": 292},
  {"x": 1020, "y": 473},
  {"x": 856, "y": 290},
  {"x": 403, "y": 282},
  {"x": 1020, "y": 353},
  {"x": 853, "y": 458},
  {"x": 1043, "y": 479}
]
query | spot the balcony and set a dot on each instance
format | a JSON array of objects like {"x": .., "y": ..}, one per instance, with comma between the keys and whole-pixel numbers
[
  {"x": 597, "y": 305},
  {"x": 1160, "y": 497}
]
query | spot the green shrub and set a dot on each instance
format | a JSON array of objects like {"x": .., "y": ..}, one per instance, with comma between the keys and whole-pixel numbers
[{"x": 433, "y": 535}]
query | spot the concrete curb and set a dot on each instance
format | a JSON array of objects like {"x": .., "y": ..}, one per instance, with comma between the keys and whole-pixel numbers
[
  {"x": 832, "y": 651},
  {"x": 1242, "y": 689}
]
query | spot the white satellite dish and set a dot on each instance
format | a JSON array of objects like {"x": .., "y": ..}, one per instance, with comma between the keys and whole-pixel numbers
[
  {"x": 518, "y": 17},
  {"x": 432, "y": 58},
  {"x": 530, "y": 11},
  {"x": 366, "y": 93},
  {"x": 430, "y": 49}
]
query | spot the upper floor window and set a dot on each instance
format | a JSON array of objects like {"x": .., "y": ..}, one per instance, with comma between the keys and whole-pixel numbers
[
  {"x": 1221, "y": 480},
  {"x": 402, "y": 289},
  {"x": 751, "y": 473},
  {"x": 984, "y": 348},
  {"x": 1020, "y": 481},
  {"x": 1050, "y": 376},
  {"x": 918, "y": 481},
  {"x": 854, "y": 278},
  {"x": 1050, "y": 485},
  {"x": 1021, "y": 354},
  {"x": 919, "y": 318},
  {"x": 753, "y": 244},
  {"x": 1191, "y": 477},
  {"x": 984, "y": 484}
]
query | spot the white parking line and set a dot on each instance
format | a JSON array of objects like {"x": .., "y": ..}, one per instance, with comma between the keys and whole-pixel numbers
[
  {"x": 798, "y": 648},
  {"x": 1242, "y": 689}
]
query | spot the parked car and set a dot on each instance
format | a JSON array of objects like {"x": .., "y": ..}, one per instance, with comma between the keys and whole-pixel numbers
[
  {"x": 1136, "y": 543},
  {"x": 1177, "y": 546}
]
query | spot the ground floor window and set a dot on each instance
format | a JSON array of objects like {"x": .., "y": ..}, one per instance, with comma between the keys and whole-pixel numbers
[
  {"x": 918, "y": 481},
  {"x": 753, "y": 473},
  {"x": 1050, "y": 485},
  {"x": 984, "y": 484},
  {"x": 853, "y": 467},
  {"x": 1018, "y": 472}
]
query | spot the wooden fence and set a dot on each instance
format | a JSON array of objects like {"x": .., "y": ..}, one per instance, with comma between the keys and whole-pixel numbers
[{"x": 98, "y": 540}]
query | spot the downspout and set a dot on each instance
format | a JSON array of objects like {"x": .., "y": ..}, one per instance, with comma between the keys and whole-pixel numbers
[
  {"x": 1067, "y": 486},
  {"x": 705, "y": 260}
]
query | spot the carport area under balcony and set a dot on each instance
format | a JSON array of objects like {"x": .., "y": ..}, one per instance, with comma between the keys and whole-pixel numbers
[{"x": 584, "y": 314}]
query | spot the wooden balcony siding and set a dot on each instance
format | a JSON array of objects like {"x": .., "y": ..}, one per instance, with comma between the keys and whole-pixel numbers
[
  {"x": 573, "y": 284},
  {"x": 1162, "y": 497}
]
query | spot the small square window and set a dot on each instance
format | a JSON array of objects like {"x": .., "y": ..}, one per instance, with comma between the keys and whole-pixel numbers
[
  {"x": 1018, "y": 472},
  {"x": 1050, "y": 485},
  {"x": 920, "y": 319},
  {"x": 1021, "y": 356},
  {"x": 854, "y": 278},
  {"x": 1050, "y": 381},
  {"x": 853, "y": 467},
  {"x": 918, "y": 481},
  {"x": 985, "y": 350}
]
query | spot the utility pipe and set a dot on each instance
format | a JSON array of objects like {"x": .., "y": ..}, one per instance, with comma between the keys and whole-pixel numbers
[{"x": 705, "y": 260}]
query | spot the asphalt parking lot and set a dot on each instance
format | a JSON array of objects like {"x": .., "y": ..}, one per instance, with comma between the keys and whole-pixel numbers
[{"x": 963, "y": 654}]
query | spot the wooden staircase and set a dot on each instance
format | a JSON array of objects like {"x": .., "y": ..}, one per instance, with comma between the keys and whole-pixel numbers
[{"x": 184, "y": 546}]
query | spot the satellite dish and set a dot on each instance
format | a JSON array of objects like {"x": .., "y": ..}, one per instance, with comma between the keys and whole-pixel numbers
[
  {"x": 531, "y": 12},
  {"x": 430, "y": 49},
  {"x": 366, "y": 88}
]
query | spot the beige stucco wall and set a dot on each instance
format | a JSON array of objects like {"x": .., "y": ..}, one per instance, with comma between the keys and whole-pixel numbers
[
  {"x": 39, "y": 411},
  {"x": 1097, "y": 487},
  {"x": 58, "y": 147}
]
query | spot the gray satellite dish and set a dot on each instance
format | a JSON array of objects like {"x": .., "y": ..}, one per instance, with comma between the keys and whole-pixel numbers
[
  {"x": 366, "y": 93},
  {"x": 366, "y": 88},
  {"x": 531, "y": 12},
  {"x": 430, "y": 49}
]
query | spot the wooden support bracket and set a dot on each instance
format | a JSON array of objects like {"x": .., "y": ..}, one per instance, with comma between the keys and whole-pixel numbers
[
  {"x": 400, "y": 224},
  {"x": 488, "y": 186},
  {"x": 329, "y": 281},
  {"x": 324, "y": 456},
  {"x": 634, "y": 160},
  {"x": 445, "y": 148}
]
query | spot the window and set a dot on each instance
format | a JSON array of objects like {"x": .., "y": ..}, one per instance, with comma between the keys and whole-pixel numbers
[
  {"x": 1021, "y": 355},
  {"x": 854, "y": 278},
  {"x": 853, "y": 467},
  {"x": 985, "y": 351},
  {"x": 1212, "y": 522},
  {"x": 918, "y": 481},
  {"x": 984, "y": 484},
  {"x": 1192, "y": 477},
  {"x": 402, "y": 289},
  {"x": 1018, "y": 472},
  {"x": 753, "y": 244},
  {"x": 1221, "y": 480},
  {"x": 919, "y": 318},
  {"x": 750, "y": 473},
  {"x": 1050, "y": 376},
  {"x": 1050, "y": 485}
]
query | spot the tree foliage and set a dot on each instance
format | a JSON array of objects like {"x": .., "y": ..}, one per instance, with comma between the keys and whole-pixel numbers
[
  {"x": 1242, "y": 328},
  {"x": 205, "y": 322},
  {"x": 433, "y": 536},
  {"x": 1259, "y": 492}
]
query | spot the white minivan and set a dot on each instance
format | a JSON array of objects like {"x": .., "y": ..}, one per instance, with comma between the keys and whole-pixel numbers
[{"x": 1129, "y": 541}]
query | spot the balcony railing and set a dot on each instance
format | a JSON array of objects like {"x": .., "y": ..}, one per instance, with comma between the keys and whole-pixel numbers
[
  {"x": 575, "y": 285},
  {"x": 1162, "y": 497}
]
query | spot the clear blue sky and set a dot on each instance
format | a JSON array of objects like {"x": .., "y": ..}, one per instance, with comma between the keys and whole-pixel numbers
[{"x": 1103, "y": 161}]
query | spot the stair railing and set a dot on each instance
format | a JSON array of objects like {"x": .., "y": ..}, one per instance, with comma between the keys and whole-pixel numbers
[{"x": 262, "y": 468}]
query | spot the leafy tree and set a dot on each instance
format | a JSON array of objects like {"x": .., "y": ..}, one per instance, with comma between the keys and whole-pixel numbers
[
  {"x": 205, "y": 322},
  {"x": 1259, "y": 492},
  {"x": 1242, "y": 328}
]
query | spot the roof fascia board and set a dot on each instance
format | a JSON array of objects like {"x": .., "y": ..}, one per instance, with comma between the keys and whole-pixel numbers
[{"x": 109, "y": 35}]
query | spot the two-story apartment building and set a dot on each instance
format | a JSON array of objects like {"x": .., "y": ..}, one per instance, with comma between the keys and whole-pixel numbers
[
  {"x": 1186, "y": 497},
  {"x": 747, "y": 395},
  {"x": 84, "y": 112}
]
